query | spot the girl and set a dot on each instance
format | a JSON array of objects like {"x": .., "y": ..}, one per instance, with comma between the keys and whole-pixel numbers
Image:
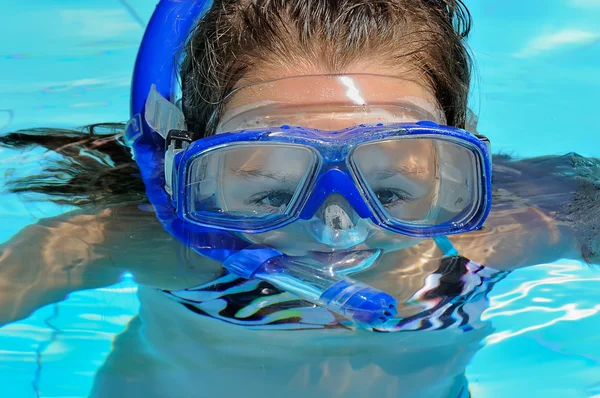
[{"x": 263, "y": 64}]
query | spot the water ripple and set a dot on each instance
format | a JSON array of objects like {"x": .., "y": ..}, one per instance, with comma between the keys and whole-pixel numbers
[{"x": 519, "y": 300}]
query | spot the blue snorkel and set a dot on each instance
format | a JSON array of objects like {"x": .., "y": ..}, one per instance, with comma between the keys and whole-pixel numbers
[{"x": 156, "y": 65}]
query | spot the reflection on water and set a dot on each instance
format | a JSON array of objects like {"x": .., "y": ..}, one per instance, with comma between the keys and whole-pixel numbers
[
  {"x": 542, "y": 345},
  {"x": 541, "y": 297}
]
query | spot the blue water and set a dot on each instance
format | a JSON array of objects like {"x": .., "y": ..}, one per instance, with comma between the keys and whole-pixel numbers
[{"x": 68, "y": 63}]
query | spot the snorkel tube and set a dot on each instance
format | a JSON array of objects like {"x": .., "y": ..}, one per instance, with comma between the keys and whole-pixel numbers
[{"x": 156, "y": 65}]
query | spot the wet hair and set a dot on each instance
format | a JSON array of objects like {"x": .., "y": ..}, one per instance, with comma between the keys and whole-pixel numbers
[
  {"x": 95, "y": 167},
  {"x": 423, "y": 38}
]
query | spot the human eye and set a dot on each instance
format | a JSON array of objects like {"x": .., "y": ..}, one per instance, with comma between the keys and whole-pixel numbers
[
  {"x": 392, "y": 197},
  {"x": 273, "y": 201}
]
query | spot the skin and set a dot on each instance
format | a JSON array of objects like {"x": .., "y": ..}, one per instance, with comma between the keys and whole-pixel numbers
[{"x": 92, "y": 248}]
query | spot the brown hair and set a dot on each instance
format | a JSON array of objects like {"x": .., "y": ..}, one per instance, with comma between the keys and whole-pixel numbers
[
  {"x": 236, "y": 38},
  {"x": 95, "y": 167}
]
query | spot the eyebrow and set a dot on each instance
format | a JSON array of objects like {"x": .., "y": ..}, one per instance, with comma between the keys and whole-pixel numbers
[
  {"x": 251, "y": 174},
  {"x": 255, "y": 173},
  {"x": 393, "y": 171}
]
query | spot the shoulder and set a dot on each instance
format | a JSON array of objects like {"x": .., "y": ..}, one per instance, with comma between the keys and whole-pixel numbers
[{"x": 565, "y": 189}]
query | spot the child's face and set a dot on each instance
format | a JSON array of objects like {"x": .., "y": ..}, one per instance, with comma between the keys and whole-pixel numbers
[{"x": 295, "y": 102}]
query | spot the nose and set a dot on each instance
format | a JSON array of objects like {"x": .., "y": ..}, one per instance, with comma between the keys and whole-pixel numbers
[{"x": 336, "y": 213}]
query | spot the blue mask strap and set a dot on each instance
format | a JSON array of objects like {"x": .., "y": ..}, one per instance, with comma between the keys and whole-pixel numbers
[
  {"x": 446, "y": 246},
  {"x": 165, "y": 37}
]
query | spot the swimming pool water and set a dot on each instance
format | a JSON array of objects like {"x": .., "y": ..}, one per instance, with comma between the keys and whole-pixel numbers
[{"x": 68, "y": 63}]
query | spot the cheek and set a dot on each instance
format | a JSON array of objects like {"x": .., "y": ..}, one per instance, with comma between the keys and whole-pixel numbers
[
  {"x": 390, "y": 241},
  {"x": 295, "y": 240}
]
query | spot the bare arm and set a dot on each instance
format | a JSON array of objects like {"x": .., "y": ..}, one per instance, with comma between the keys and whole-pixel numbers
[
  {"x": 82, "y": 250},
  {"x": 545, "y": 209},
  {"x": 518, "y": 238}
]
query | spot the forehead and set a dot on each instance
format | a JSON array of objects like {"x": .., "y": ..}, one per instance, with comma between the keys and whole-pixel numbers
[
  {"x": 332, "y": 90},
  {"x": 359, "y": 89}
]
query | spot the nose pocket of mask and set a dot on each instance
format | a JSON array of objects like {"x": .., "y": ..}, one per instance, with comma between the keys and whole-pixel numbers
[
  {"x": 337, "y": 224},
  {"x": 339, "y": 239},
  {"x": 335, "y": 217},
  {"x": 337, "y": 213}
]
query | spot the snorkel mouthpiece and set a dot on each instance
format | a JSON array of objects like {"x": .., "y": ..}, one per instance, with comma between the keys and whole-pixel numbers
[
  {"x": 359, "y": 302},
  {"x": 350, "y": 299}
]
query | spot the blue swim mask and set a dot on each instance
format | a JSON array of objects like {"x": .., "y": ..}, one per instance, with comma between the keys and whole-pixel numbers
[{"x": 267, "y": 167}]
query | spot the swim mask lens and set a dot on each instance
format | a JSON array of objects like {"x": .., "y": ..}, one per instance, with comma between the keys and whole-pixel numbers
[{"x": 409, "y": 178}]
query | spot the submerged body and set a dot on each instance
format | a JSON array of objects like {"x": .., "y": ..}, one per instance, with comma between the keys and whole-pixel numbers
[
  {"x": 202, "y": 355},
  {"x": 234, "y": 336},
  {"x": 186, "y": 342}
]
